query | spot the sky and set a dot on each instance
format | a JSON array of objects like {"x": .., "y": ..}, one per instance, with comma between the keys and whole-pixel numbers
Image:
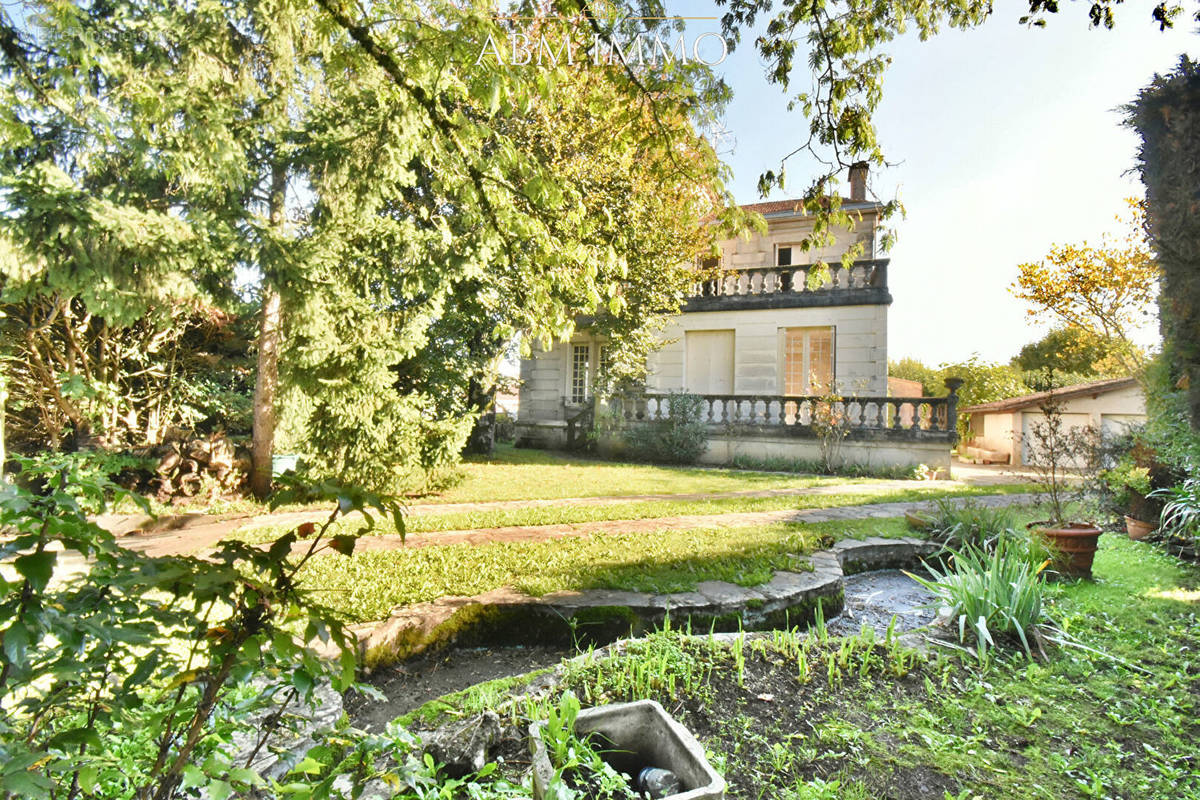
[{"x": 1006, "y": 140}]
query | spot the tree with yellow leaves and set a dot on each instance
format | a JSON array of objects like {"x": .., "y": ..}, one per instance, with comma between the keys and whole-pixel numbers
[{"x": 1105, "y": 291}]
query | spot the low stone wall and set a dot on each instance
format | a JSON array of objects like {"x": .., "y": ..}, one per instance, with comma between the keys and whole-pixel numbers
[
  {"x": 724, "y": 449},
  {"x": 598, "y": 616}
]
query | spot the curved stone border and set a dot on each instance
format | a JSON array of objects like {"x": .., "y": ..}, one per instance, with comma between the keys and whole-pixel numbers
[{"x": 602, "y": 615}]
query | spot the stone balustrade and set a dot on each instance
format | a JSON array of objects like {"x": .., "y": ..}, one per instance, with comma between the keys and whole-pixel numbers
[
  {"x": 862, "y": 283},
  {"x": 897, "y": 417}
]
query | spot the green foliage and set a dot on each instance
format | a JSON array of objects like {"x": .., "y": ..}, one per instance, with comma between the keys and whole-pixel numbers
[
  {"x": 576, "y": 760},
  {"x": 412, "y": 227},
  {"x": 969, "y": 524},
  {"x": 75, "y": 378},
  {"x": 913, "y": 370},
  {"x": 681, "y": 437},
  {"x": 800, "y": 466},
  {"x": 990, "y": 592},
  {"x": 128, "y": 675},
  {"x": 348, "y": 763},
  {"x": 1166, "y": 114},
  {"x": 363, "y": 432},
  {"x": 983, "y": 382},
  {"x": 1175, "y": 444},
  {"x": 1074, "y": 355},
  {"x": 506, "y": 428},
  {"x": 1126, "y": 478},
  {"x": 1181, "y": 512}
]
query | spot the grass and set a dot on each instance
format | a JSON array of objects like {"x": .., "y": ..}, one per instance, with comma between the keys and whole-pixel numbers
[
  {"x": 525, "y": 474},
  {"x": 649, "y": 509},
  {"x": 370, "y": 584},
  {"x": 798, "y": 718}
]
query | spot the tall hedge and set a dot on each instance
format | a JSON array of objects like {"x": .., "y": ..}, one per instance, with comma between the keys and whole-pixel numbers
[{"x": 1166, "y": 114}]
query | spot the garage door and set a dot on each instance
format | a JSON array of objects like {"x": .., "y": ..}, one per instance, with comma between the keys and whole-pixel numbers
[
  {"x": 1029, "y": 418},
  {"x": 1114, "y": 425}
]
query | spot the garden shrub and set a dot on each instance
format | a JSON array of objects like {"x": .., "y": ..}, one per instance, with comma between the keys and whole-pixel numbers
[
  {"x": 506, "y": 427},
  {"x": 126, "y": 384},
  {"x": 680, "y": 438},
  {"x": 802, "y": 466},
  {"x": 969, "y": 524},
  {"x": 1181, "y": 510},
  {"x": 131, "y": 677}
]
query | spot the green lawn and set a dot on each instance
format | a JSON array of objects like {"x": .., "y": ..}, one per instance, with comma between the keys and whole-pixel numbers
[
  {"x": 858, "y": 718},
  {"x": 526, "y": 474},
  {"x": 648, "y": 509},
  {"x": 368, "y": 585}
]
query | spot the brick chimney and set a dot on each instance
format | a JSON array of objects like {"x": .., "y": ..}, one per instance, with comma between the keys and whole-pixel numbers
[{"x": 858, "y": 181}]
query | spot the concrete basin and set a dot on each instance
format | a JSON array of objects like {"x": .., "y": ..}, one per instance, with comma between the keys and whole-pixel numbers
[{"x": 640, "y": 734}]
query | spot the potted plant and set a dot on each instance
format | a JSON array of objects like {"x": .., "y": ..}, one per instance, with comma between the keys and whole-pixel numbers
[
  {"x": 1056, "y": 453},
  {"x": 1129, "y": 484}
]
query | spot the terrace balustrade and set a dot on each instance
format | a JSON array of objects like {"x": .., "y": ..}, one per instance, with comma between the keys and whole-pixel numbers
[
  {"x": 862, "y": 283},
  {"x": 916, "y": 418}
]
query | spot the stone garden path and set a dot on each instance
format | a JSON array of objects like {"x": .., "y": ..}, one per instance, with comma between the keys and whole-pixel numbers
[{"x": 529, "y": 533}]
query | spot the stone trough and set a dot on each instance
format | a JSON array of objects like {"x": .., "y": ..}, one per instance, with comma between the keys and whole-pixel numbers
[
  {"x": 636, "y": 736},
  {"x": 599, "y": 616}
]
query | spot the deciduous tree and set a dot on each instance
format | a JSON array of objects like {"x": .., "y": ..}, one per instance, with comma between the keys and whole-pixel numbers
[
  {"x": 1105, "y": 291},
  {"x": 1075, "y": 351},
  {"x": 380, "y": 185}
]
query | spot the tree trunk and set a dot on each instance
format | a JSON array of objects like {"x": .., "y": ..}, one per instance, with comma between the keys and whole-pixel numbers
[
  {"x": 266, "y": 381},
  {"x": 482, "y": 440}
]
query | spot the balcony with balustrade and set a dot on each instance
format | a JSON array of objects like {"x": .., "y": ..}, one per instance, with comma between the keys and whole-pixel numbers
[{"x": 862, "y": 283}]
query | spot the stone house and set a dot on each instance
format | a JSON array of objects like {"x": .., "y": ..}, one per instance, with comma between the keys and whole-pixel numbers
[{"x": 762, "y": 347}]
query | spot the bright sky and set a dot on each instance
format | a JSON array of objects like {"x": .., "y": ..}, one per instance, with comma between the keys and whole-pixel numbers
[{"x": 1008, "y": 139}]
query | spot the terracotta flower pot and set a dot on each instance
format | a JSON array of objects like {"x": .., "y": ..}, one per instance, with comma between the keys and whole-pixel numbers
[
  {"x": 1076, "y": 547},
  {"x": 1138, "y": 529}
]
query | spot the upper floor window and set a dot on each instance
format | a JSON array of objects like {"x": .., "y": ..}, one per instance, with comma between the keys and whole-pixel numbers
[{"x": 783, "y": 256}]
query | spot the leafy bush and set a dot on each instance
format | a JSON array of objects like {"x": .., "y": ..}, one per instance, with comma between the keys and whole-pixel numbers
[
  {"x": 125, "y": 675},
  {"x": 970, "y": 524},
  {"x": 990, "y": 594},
  {"x": 680, "y": 438},
  {"x": 983, "y": 381},
  {"x": 1168, "y": 434},
  {"x": 1181, "y": 513},
  {"x": 126, "y": 383},
  {"x": 1126, "y": 483},
  {"x": 506, "y": 427},
  {"x": 801, "y": 466}
]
